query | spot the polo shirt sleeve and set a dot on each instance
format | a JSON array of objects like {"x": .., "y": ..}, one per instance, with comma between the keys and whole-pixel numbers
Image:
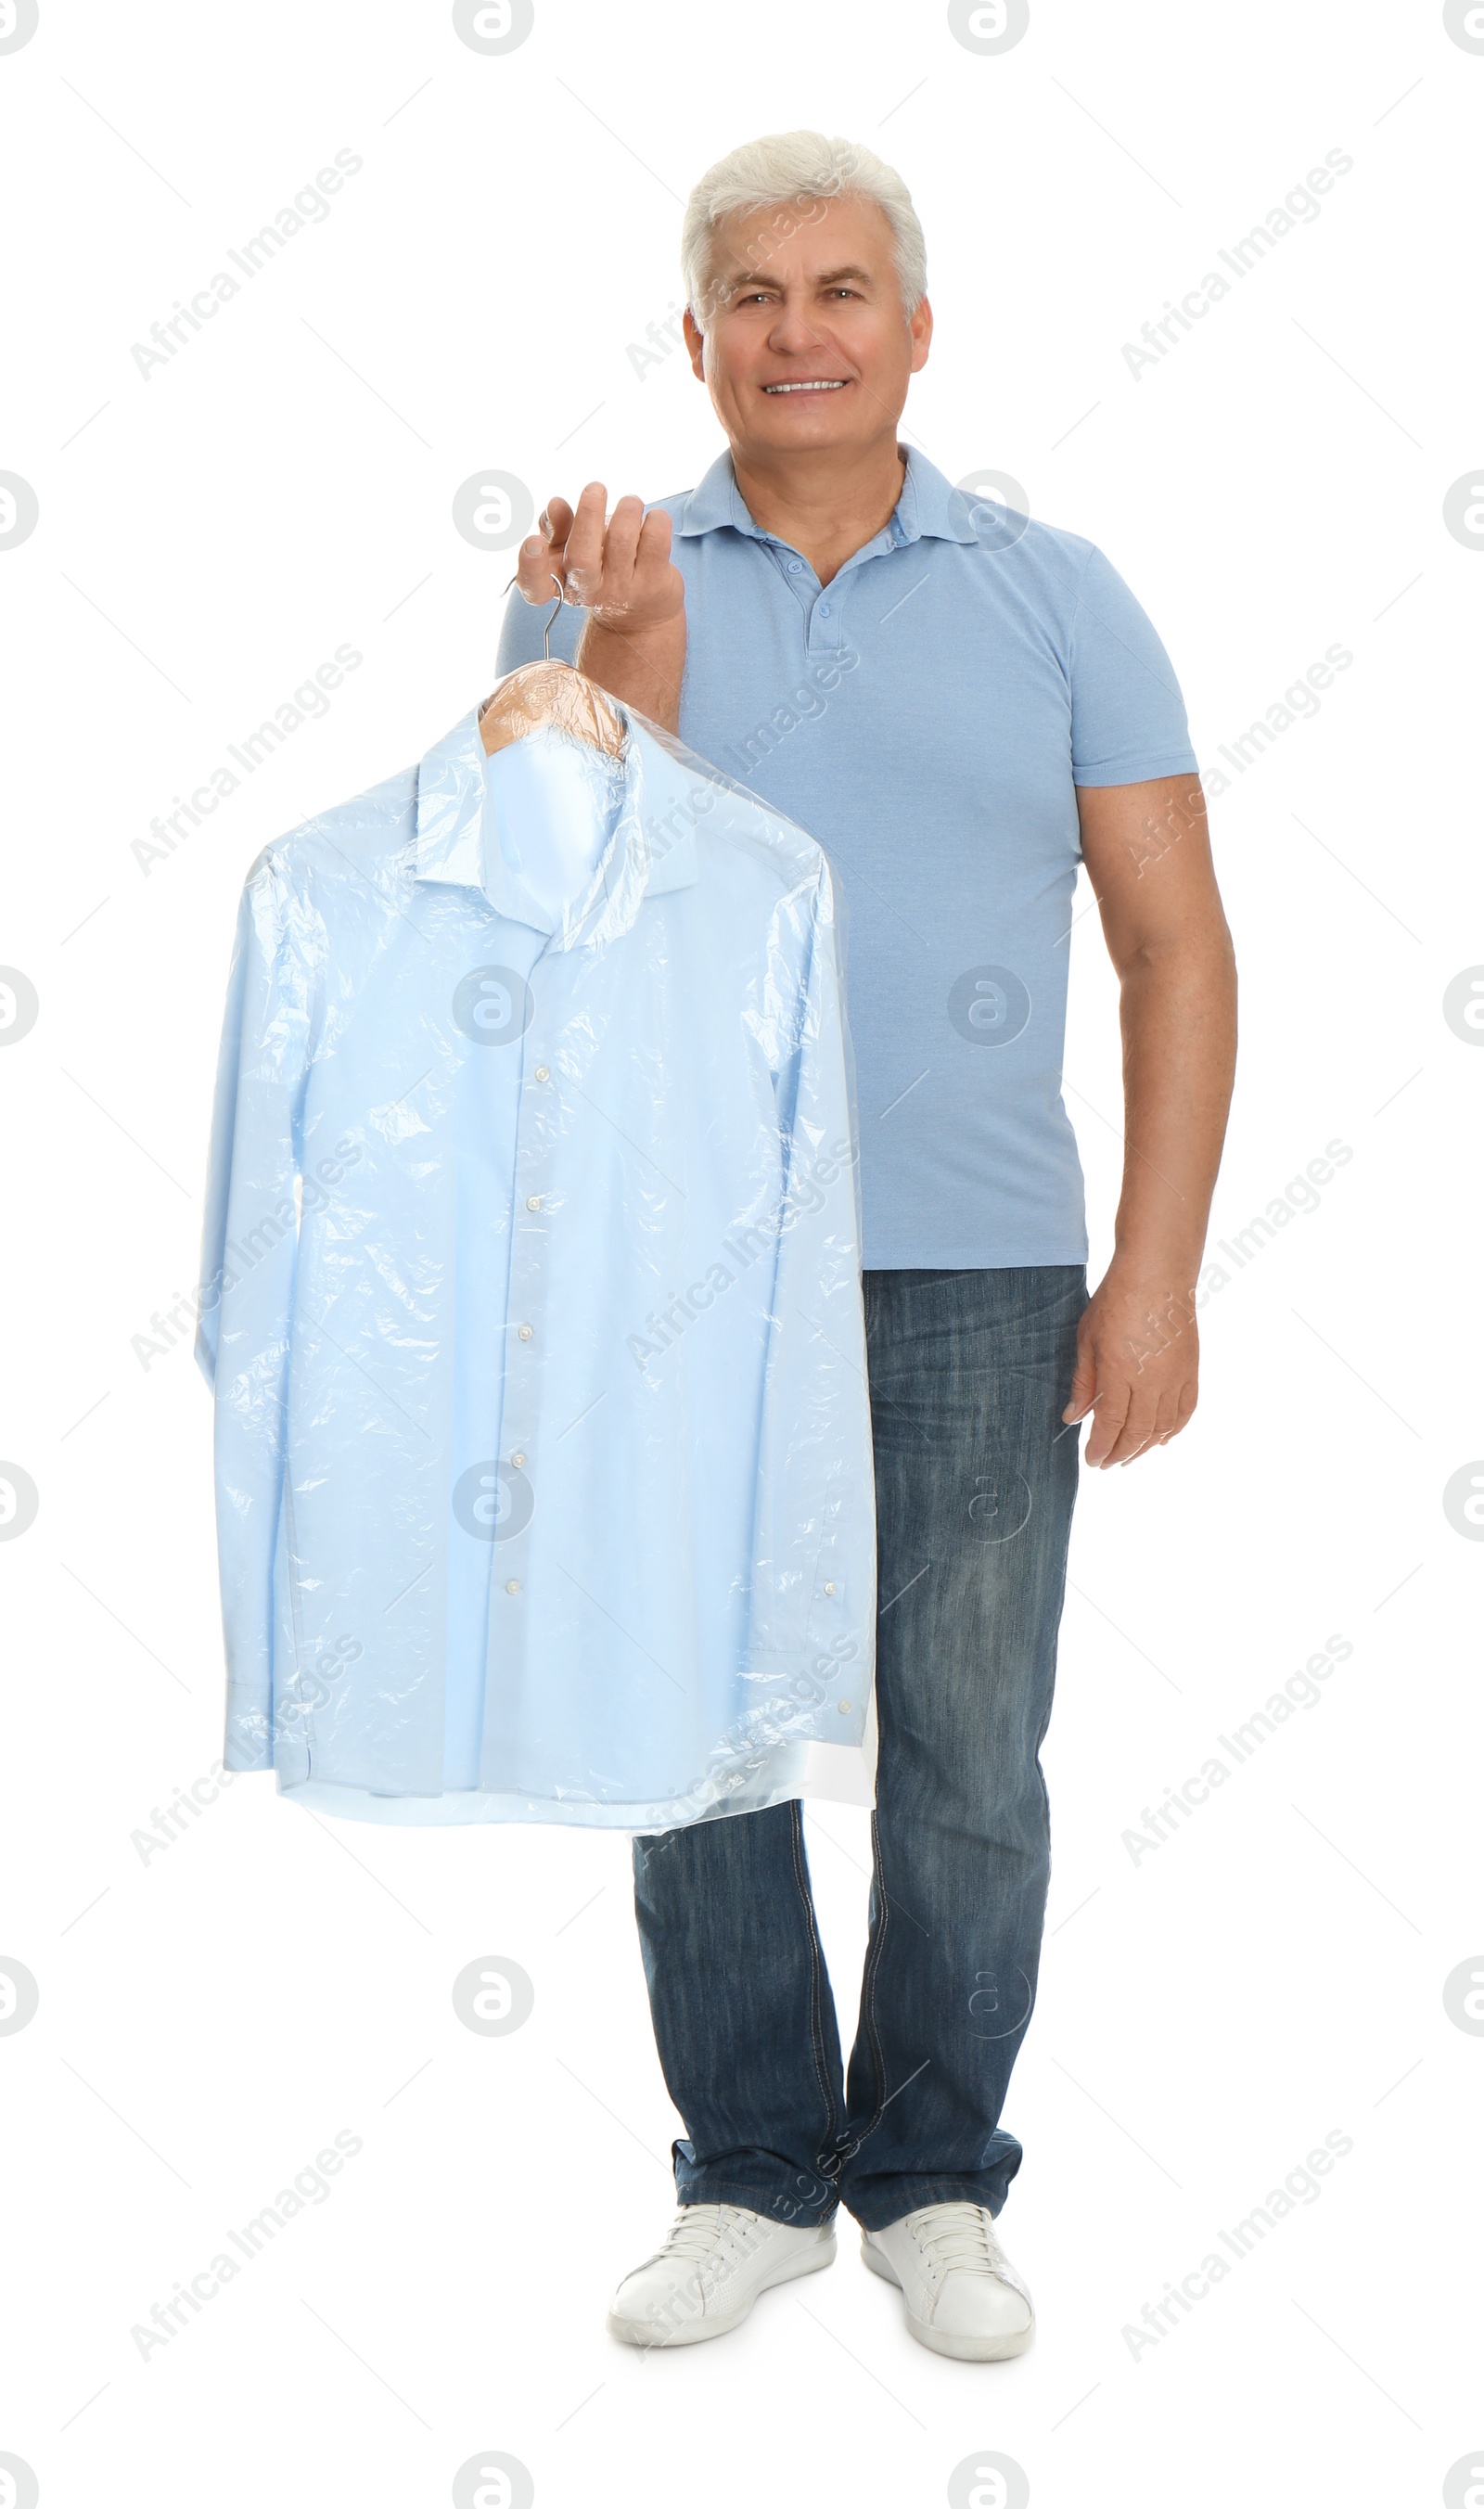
[{"x": 1127, "y": 713}]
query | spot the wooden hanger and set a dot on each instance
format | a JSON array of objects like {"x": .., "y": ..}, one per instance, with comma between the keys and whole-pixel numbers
[{"x": 549, "y": 696}]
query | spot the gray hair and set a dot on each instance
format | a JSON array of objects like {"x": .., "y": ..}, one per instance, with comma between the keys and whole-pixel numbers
[{"x": 789, "y": 169}]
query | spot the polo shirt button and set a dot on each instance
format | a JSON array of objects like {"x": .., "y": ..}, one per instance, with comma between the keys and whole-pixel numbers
[
  {"x": 541, "y": 1073},
  {"x": 517, "y": 1459},
  {"x": 845, "y": 1707},
  {"x": 824, "y": 609},
  {"x": 512, "y": 1585},
  {"x": 533, "y": 1202},
  {"x": 795, "y": 566},
  {"x": 523, "y": 1333},
  {"x": 829, "y": 1588}
]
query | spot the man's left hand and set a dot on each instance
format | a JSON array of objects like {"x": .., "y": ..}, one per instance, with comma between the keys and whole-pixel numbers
[{"x": 1137, "y": 1364}]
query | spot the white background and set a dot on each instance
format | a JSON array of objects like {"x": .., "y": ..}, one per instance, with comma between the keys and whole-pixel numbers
[{"x": 1274, "y": 1972}]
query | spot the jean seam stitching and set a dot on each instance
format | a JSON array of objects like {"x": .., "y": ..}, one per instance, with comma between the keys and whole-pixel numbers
[
  {"x": 872, "y": 1969},
  {"x": 816, "y": 1968}
]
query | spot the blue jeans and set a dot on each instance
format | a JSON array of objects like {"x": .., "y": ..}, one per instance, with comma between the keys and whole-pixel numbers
[{"x": 976, "y": 1477}]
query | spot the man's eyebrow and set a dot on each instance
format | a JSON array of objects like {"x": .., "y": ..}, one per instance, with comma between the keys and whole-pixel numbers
[{"x": 825, "y": 278}]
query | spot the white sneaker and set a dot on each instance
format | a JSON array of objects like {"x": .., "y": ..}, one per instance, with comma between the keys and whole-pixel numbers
[
  {"x": 962, "y": 2295},
  {"x": 703, "y": 2281}
]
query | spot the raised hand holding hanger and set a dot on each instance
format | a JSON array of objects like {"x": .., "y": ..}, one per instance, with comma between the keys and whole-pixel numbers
[{"x": 618, "y": 569}]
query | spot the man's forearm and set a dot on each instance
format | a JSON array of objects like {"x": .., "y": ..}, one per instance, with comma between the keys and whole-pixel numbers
[
  {"x": 644, "y": 668},
  {"x": 1178, "y": 1009}
]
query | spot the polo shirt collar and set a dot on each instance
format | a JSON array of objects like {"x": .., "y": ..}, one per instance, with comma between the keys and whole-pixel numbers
[
  {"x": 715, "y": 502},
  {"x": 929, "y": 507},
  {"x": 650, "y": 851}
]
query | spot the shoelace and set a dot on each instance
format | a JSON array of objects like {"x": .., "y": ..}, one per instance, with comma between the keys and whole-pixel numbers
[
  {"x": 960, "y": 2235},
  {"x": 699, "y": 2229}
]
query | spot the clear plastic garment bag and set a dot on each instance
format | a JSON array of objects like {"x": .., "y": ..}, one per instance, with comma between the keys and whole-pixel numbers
[{"x": 532, "y": 1296}]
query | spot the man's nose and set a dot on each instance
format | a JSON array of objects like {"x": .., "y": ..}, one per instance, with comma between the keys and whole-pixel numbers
[{"x": 795, "y": 330}]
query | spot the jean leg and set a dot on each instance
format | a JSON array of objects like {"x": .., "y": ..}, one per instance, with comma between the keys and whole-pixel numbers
[
  {"x": 975, "y": 1479},
  {"x": 744, "y": 2019}
]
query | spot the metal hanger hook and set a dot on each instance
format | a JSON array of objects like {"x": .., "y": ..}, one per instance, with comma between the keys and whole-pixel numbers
[{"x": 551, "y": 621}]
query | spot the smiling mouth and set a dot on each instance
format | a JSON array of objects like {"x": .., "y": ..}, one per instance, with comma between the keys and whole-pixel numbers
[{"x": 838, "y": 385}]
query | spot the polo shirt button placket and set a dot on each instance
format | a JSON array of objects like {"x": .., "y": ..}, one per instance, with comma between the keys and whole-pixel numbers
[{"x": 826, "y": 638}]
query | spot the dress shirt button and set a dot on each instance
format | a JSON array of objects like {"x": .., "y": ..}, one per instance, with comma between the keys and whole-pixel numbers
[
  {"x": 523, "y": 1333},
  {"x": 533, "y": 1202},
  {"x": 829, "y": 1588},
  {"x": 845, "y": 1707},
  {"x": 512, "y": 1585},
  {"x": 517, "y": 1459},
  {"x": 542, "y": 1071}
]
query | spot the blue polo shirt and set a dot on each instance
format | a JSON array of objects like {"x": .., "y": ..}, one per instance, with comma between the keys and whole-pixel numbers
[{"x": 927, "y": 716}]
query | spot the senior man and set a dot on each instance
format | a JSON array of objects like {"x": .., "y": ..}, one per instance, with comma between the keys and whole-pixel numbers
[{"x": 958, "y": 704}]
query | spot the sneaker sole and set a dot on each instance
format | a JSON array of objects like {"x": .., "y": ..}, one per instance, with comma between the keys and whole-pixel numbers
[
  {"x": 700, "y": 2329},
  {"x": 954, "y": 2348}
]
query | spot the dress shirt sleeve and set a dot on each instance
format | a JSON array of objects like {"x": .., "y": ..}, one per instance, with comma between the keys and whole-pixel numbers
[
  {"x": 248, "y": 1251},
  {"x": 813, "y": 1568}
]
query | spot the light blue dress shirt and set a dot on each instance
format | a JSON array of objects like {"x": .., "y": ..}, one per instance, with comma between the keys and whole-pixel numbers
[
  {"x": 928, "y": 716},
  {"x": 533, "y": 1312}
]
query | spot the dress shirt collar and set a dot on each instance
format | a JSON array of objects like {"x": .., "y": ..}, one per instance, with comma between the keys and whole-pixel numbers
[
  {"x": 651, "y": 849},
  {"x": 929, "y": 507}
]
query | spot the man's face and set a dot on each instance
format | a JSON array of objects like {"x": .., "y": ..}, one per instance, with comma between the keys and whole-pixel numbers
[{"x": 807, "y": 347}]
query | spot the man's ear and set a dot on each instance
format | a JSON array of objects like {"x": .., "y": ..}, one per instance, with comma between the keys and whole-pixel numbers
[{"x": 696, "y": 344}]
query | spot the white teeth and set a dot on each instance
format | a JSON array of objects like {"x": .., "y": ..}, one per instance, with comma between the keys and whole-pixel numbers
[{"x": 838, "y": 386}]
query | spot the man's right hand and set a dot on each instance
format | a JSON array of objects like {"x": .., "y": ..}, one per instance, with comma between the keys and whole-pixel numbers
[{"x": 619, "y": 570}]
